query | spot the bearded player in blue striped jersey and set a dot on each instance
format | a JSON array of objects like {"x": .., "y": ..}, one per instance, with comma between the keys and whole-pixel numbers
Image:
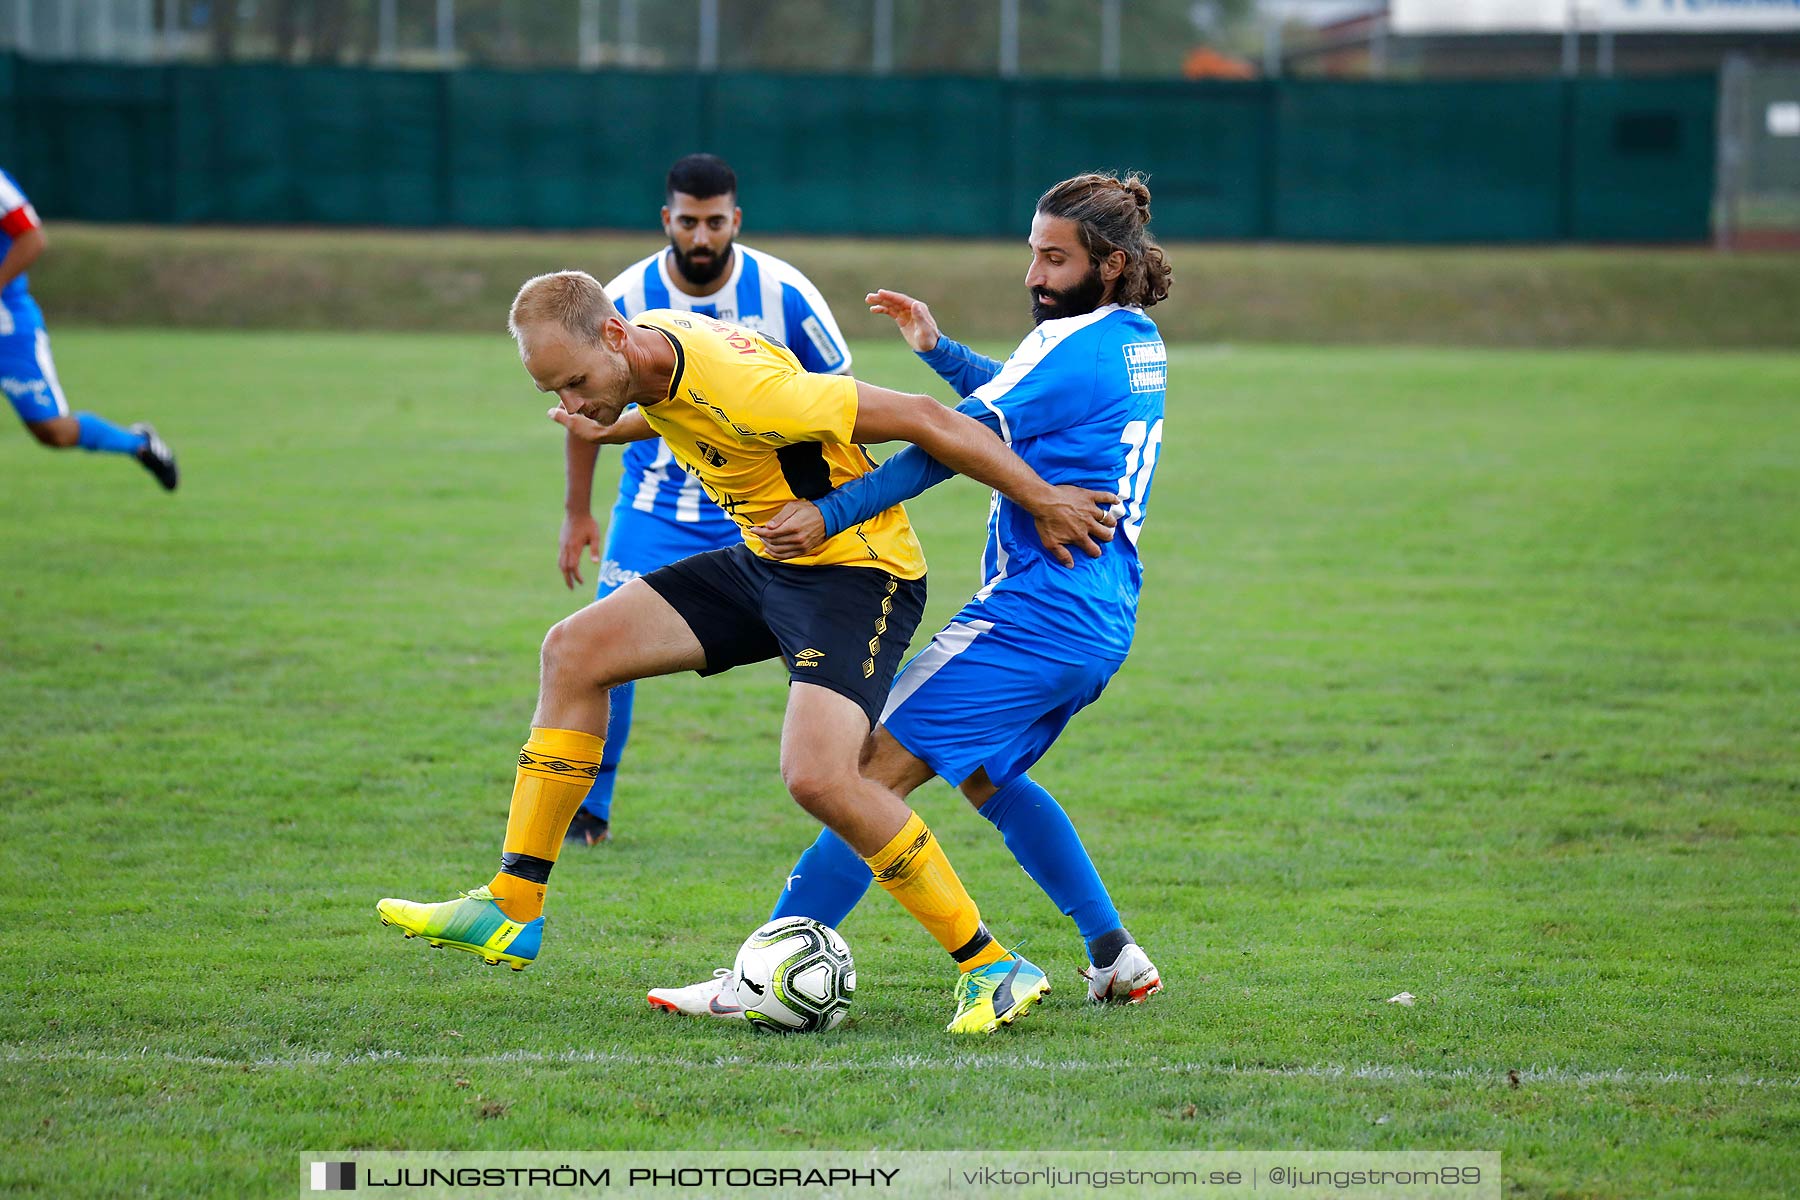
[
  {"x": 662, "y": 514},
  {"x": 1081, "y": 401}
]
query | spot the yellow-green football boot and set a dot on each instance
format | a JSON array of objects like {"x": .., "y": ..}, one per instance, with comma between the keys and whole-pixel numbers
[
  {"x": 471, "y": 922},
  {"x": 997, "y": 994}
]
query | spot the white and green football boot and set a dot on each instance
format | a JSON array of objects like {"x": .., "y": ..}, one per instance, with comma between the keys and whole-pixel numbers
[{"x": 472, "y": 922}]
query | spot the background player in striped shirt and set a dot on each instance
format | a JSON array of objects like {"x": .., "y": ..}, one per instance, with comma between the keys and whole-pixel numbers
[
  {"x": 27, "y": 372},
  {"x": 662, "y": 514},
  {"x": 1081, "y": 402}
]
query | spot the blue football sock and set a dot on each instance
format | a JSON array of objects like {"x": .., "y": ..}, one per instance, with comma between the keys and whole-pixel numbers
[
  {"x": 618, "y": 731},
  {"x": 97, "y": 433},
  {"x": 826, "y": 883},
  {"x": 1043, "y": 839}
]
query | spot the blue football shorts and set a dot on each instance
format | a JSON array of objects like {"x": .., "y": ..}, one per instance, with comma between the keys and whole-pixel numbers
[
  {"x": 28, "y": 376},
  {"x": 981, "y": 696},
  {"x": 638, "y": 543}
]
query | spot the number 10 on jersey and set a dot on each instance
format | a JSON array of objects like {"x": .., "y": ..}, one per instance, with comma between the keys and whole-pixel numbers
[{"x": 1143, "y": 442}]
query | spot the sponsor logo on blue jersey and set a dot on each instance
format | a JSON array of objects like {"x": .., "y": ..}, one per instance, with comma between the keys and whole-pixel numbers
[{"x": 1147, "y": 366}]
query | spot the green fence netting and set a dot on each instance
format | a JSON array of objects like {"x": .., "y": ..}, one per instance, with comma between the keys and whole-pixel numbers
[{"x": 1472, "y": 161}]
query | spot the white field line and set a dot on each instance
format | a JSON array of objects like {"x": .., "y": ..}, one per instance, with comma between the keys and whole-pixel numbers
[{"x": 1572, "y": 1076}]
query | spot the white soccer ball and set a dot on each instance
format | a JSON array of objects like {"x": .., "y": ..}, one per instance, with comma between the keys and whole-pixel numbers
[{"x": 794, "y": 975}]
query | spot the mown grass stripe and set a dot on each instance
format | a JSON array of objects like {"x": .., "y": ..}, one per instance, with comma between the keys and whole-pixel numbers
[{"x": 1573, "y": 1076}]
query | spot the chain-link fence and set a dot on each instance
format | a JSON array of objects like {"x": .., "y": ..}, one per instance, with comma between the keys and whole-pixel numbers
[{"x": 1759, "y": 155}]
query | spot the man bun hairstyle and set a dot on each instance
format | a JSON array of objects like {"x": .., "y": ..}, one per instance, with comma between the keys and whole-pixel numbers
[
  {"x": 1114, "y": 214},
  {"x": 701, "y": 176}
]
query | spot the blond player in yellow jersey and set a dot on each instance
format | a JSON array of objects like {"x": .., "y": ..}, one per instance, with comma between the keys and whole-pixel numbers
[{"x": 759, "y": 432}]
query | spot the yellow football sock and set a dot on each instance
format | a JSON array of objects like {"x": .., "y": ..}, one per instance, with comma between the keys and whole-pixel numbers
[
  {"x": 916, "y": 872},
  {"x": 556, "y": 769},
  {"x": 520, "y": 899}
]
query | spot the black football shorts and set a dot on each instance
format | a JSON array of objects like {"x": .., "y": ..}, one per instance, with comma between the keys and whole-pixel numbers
[{"x": 843, "y": 628}]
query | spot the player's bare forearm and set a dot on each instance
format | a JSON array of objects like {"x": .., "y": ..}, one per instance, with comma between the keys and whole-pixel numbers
[
  {"x": 580, "y": 532},
  {"x": 969, "y": 448},
  {"x": 1064, "y": 516},
  {"x": 1067, "y": 516},
  {"x": 579, "y": 457},
  {"x": 959, "y": 442},
  {"x": 630, "y": 427},
  {"x": 24, "y": 251}
]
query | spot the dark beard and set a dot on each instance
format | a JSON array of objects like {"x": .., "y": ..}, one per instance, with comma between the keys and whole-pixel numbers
[
  {"x": 1077, "y": 301},
  {"x": 704, "y": 272}
]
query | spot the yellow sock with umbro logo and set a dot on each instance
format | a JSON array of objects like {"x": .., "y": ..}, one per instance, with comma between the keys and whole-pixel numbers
[
  {"x": 915, "y": 871},
  {"x": 556, "y": 769}
]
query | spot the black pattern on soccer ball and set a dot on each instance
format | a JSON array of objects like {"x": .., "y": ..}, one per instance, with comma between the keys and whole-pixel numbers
[{"x": 797, "y": 975}]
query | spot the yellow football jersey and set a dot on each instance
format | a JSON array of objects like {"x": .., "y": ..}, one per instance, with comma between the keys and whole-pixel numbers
[{"x": 759, "y": 430}]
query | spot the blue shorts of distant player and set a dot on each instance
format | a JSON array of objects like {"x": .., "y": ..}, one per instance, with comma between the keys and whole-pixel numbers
[
  {"x": 639, "y": 542},
  {"x": 981, "y": 695},
  {"x": 28, "y": 375}
]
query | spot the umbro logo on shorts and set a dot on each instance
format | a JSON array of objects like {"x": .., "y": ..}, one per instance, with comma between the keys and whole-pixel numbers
[{"x": 809, "y": 658}]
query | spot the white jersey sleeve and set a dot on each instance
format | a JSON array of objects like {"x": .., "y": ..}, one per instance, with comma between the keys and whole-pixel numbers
[{"x": 626, "y": 290}]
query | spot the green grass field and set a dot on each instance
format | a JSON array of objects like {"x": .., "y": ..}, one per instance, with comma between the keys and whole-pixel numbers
[
  {"x": 456, "y": 281},
  {"x": 1468, "y": 674}
]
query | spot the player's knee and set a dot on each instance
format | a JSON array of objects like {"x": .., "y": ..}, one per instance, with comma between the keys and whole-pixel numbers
[
  {"x": 554, "y": 648},
  {"x": 56, "y": 434},
  {"x": 815, "y": 787},
  {"x": 581, "y": 652},
  {"x": 977, "y": 789},
  {"x": 563, "y": 647}
]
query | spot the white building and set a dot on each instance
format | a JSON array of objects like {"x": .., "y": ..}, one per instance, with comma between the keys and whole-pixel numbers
[{"x": 1439, "y": 38}]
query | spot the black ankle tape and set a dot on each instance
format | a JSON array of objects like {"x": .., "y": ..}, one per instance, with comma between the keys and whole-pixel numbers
[
  {"x": 975, "y": 945},
  {"x": 523, "y": 866}
]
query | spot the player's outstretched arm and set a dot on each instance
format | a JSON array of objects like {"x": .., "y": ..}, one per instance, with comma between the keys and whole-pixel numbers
[
  {"x": 1065, "y": 516},
  {"x": 914, "y": 319},
  {"x": 803, "y": 525},
  {"x": 630, "y": 427},
  {"x": 955, "y": 363}
]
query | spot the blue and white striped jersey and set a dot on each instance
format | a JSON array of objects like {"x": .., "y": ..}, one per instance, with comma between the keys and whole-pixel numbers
[
  {"x": 1081, "y": 401},
  {"x": 762, "y": 293}
]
